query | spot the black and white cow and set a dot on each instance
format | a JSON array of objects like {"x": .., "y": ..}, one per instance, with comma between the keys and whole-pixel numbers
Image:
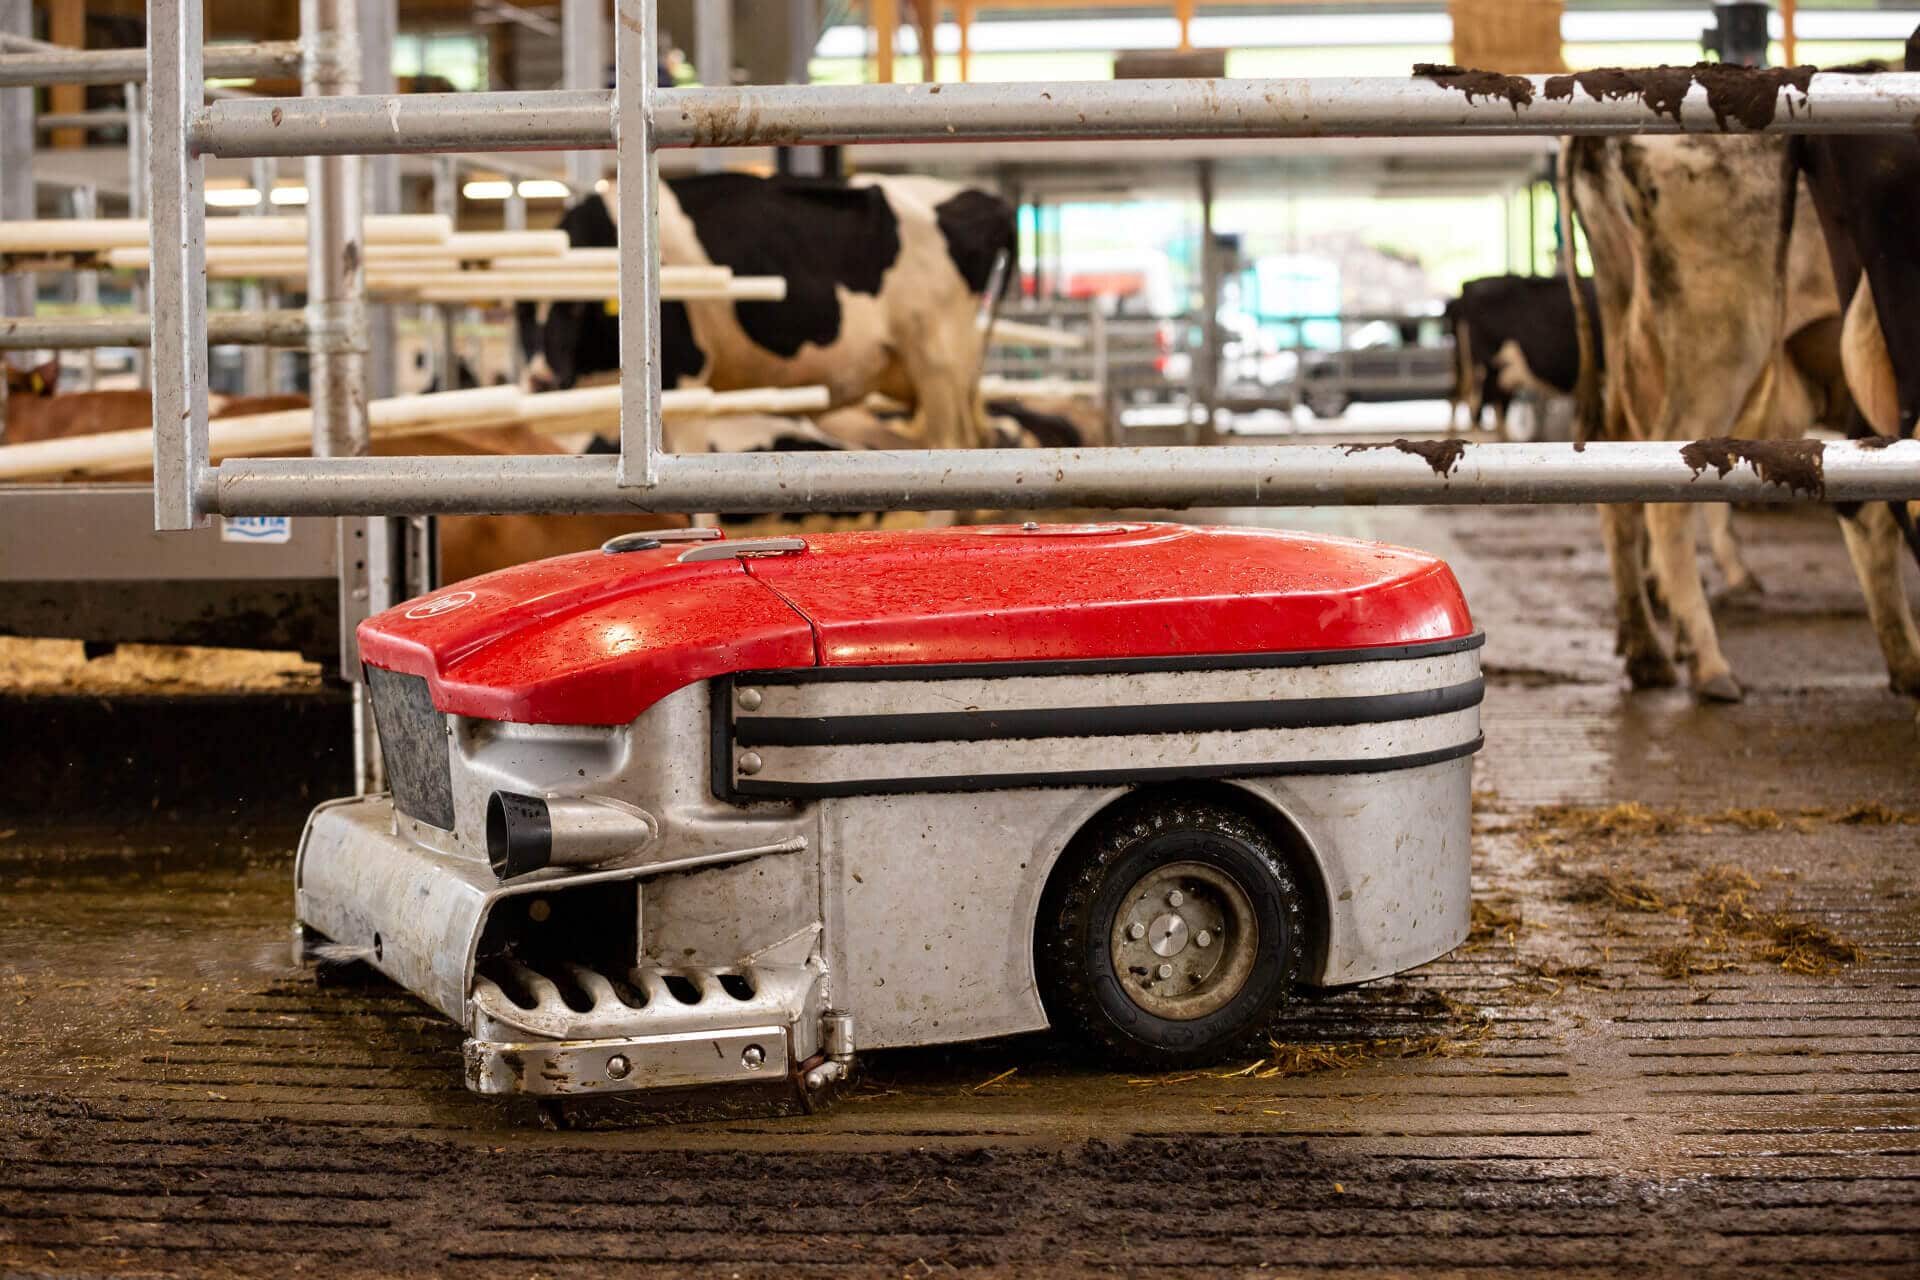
[
  {"x": 1514, "y": 334},
  {"x": 885, "y": 278},
  {"x": 1866, "y": 190}
]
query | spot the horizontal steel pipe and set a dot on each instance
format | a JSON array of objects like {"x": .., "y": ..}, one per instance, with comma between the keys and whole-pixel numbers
[
  {"x": 1023, "y": 479},
  {"x": 82, "y": 120},
  {"x": 418, "y": 123},
  {"x": 269, "y": 328},
  {"x": 1294, "y": 108},
  {"x": 767, "y": 115},
  {"x": 123, "y": 66}
]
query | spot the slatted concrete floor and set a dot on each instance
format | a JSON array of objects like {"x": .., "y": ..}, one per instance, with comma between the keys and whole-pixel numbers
[{"x": 176, "y": 1101}]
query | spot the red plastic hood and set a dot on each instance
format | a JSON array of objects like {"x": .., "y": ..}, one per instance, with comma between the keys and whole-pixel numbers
[{"x": 596, "y": 638}]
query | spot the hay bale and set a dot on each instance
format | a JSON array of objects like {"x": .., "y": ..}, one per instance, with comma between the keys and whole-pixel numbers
[{"x": 1514, "y": 36}]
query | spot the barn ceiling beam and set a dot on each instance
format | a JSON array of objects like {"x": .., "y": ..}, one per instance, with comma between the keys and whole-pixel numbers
[{"x": 766, "y": 115}]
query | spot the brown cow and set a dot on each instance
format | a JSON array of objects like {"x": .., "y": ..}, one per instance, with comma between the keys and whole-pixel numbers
[{"x": 1704, "y": 280}]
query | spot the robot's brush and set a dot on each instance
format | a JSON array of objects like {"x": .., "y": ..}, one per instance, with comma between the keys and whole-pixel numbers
[{"x": 337, "y": 953}]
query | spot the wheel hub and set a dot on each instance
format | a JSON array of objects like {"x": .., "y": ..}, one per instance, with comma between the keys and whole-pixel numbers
[
  {"x": 1168, "y": 934},
  {"x": 1184, "y": 940}
]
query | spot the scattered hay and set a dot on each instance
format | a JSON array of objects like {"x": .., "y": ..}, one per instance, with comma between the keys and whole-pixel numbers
[
  {"x": 1806, "y": 948},
  {"x": 1751, "y": 820},
  {"x": 1621, "y": 890},
  {"x": 1560, "y": 824},
  {"x": 1688, "y": 960},
  {"x": 1875, "y": 814},
  {"x": 1493, "y": 921},
  {"x": 1549, "y": 978},
  {"x": 1306, "y": 1059},
  {"x": 1722, "y": 919},
  {"x": 1459, "y": 1030},
  {"x": 1290, "y": 1059},
  {"x": 1614, "y": 822}
]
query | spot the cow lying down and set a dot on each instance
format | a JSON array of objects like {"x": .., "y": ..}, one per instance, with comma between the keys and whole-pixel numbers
[{"x": 468, "y": 544}]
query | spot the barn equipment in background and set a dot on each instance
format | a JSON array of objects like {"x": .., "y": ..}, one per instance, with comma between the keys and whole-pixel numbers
[
  {"x": 1507, "y": 35},
  {"x": 644, "y": 477},
  {"x": 718, "y": 810},
  {"x": 1739, "y": 32}
]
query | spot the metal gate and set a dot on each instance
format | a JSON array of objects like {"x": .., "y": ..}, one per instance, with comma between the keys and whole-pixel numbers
[{"x": 636, "y": 118}]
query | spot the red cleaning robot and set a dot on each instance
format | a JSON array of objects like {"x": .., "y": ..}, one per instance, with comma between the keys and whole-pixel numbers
[{"x": 688, "y": 811}]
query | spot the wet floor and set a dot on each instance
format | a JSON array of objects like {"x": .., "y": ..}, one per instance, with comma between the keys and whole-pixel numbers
[{"x": 1552, "y": 1098}]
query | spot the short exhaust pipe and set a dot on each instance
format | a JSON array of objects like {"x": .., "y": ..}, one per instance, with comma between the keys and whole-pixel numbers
[{"x": 529, "y": 833}]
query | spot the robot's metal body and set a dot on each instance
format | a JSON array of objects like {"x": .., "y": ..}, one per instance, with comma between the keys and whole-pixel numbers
[{"x": 688, "y": 812}]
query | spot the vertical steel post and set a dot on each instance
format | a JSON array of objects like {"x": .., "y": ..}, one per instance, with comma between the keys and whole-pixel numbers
[
  {"x": 1211, "y": 266},
  {"x": 336, "y": 270},
  {"x": 260, "y": 295},
  {"x": 515, "y": 219},
  {"x": 16, "y": 160},
  {"x": 336, "y": 321},
  {"x": 803, "y": 33},
  {"x": 176, "y": 89},
  {"x": 634, "y": 71},
  {"x": 378, "y": 22},
  {"x": 583, "y": 63},
  {"x": 446, "y": 315},
  {"x": 137, "y": 177},
  {"x": 713, "y": 59},
  {"x": 86, "y": 284}
]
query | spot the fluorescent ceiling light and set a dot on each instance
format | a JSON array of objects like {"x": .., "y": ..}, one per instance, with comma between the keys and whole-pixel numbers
[
  {"x": 487, "y": 190},
  {"x": 544, "y": 189},
  {"x": 232, "y": 197}
]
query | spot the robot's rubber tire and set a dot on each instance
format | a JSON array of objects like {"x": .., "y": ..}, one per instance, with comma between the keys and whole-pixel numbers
[{"x": 1079, "y": 986}]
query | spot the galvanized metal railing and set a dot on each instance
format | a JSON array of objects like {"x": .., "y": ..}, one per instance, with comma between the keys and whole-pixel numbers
[{"x": 637, "y": 118}]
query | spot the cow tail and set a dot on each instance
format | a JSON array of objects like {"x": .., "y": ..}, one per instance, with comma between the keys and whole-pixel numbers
[{"x": 1588, "y": 418}]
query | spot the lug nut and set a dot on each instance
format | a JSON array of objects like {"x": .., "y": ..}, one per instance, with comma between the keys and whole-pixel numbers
[
  {"x": 1164, "y": 972},
  {"x": 1203, "y": 939},
  {"x": 1136, "y": 931},
  {"x": 1175, "y": 898},
  {"x": 618, "y": 1067},
  {"x": 750, "y": 763},
  {"x": 749, "y": 699},
  {"x": 753, "y": 1057}
]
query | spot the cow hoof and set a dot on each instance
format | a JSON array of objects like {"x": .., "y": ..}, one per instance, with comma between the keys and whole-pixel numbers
[
  {"x": 1905, "y": 683},
  {"x": 1721, "y": 688},
  {"x": 1738, "y": 592},
  {"x": 1651, "y": 671}
]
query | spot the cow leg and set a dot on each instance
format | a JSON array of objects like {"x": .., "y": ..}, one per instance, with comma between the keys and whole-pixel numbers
[
  {"x": 1670, "y": 527},
  {"x": 1739, "y": 579},
  {"x": 1876, "y": 546},
  {"x": 947, "y": 413},
  {"x": 1624, "y": 527}
]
